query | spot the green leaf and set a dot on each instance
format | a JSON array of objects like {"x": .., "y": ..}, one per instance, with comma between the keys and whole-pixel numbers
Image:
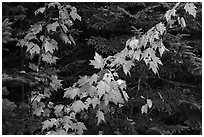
[
  {"x": 170, "y": 13},
  {"x": 83, "y": 80},
  {"x": 38, "y": 110},
  {"x": 93, "y": 79},
  {"x": 71, "y": 39},
  {"x": 133, "y": 42},
  {"x": 37, "y": 97},
  {"x": 40, "y": 10},
  {"x": 52, "y": 26},
  {"x": 32, "y": 48},
  {"x": 95, "y": 101},
  {"x": 98, "y": 61},
  {"x": 144, "y": 109},
  {"x": 64, "y": 37},
  {"x": 125, "y": 95},
  {"x": 191, "y": 9},
  {"x": 108, "y": 77},
  {"x": 77, "y": 106},
  {"x": 33, "y": 67},
  {"x": 74, "y": 14},
  {"x": 100, "y": 116},
  {"x": 47, "y": 57},
  {"x": 58, "y": 110},
  {"x": 127, "y": 66},
  {"x": 149, "y": 103},
  {"x": 102, "y": 87},
  {"x": 115, "y": 96},
  {"x": 56, "y": 83},
  {"x": 48, "y": 123},
  {"x": 80, "y": 127},
  {"x": 50, "y": 46},
  {"x": 137, "y": 54},
  {"x": 71, "y": 92},
  {"x": 67, "y": 123}
]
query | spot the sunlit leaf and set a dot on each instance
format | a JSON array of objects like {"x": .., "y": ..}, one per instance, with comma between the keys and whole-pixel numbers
[
  {"x": 137, "y": 54},
  {"x": 56, "y": 83},
  {"x": 65, "y": 38},
  {"x": 48, "y": 123},
  {"x": 98, "y": 61},
  {"x": 40, "y": 10},
  {"x": 74, "y": 14},
  {"x": 58, "y": 109},
  {"x": 149, "y": 103},
  {"x": 191, "y": 9},
  {"x": 71, "y": 92},
  {"x": 127, "y": 66},
  {"x": 100, "y": 116},
  {"x": 144, "y": 109},
  {"x": 95, "y": 101},
  {"x": 78, "y": 105},
  {"x": 80, "y": 127},
  {"x": 133, "y": 42},
  {"x": 102, "y": 87},
  {"x": 52, "y": 27}
]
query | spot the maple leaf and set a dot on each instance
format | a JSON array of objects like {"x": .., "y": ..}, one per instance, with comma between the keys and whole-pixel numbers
[
  {"x": 170, "y": 13},
  {"x": 191, "y": 9},
  {"x": 100, "y": 116},
  {"x": 40, "y": 10},
  {"x": 154, "y": 67},
  {"x": 83, "y": 80},
  {"x": 144, "y": 109},
  {"x": 160, "y": 27},
  {"x": 127, "y": 66},
  {"x": 58, "y": 109},
  {"x": 59, "y": 132},
  {"x": 74, "y": 14},
  {"x": 102, "y": 87},
  {"x": 98, "y": 61},
  {"x": 38, "y": 108},
  {"x": 71, "y": 92},
  {"x": 48, "y": 123},
  {"x": 162, "y": 48},
  {"x": 46, "y": 112},
  {"x": 32, "y": 48},
  {"x": 78, "y": 105},
  {"x": 33, "y": 67},
  {"x": 149, "y": 103},
  {"x": 95, "y": 101},
  {"x": 36, "y": 28},
  {"x": 56, "y": 83},
  {"x": 108, "y": 77},
  {"x": 50, "y": 46},
  {"x": 64, "y": 28},
  {"x": 133, "y": 42},
  {"x": 125, "y": 95},
  {"x": 115, "y": 96},
  {"x": 37, "y": 97},
  {"x": 67, "y": 122},
  {"x": 52, "y": 26},
  {"x": 71, "y": 39},
  {"x": 137, "y": 54},
  {"x": 80, "y": 127},
  {"x": 65, "y": 38},
  {"x": 93, "y": 79},
  {"x": 181, "y": 21}
]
